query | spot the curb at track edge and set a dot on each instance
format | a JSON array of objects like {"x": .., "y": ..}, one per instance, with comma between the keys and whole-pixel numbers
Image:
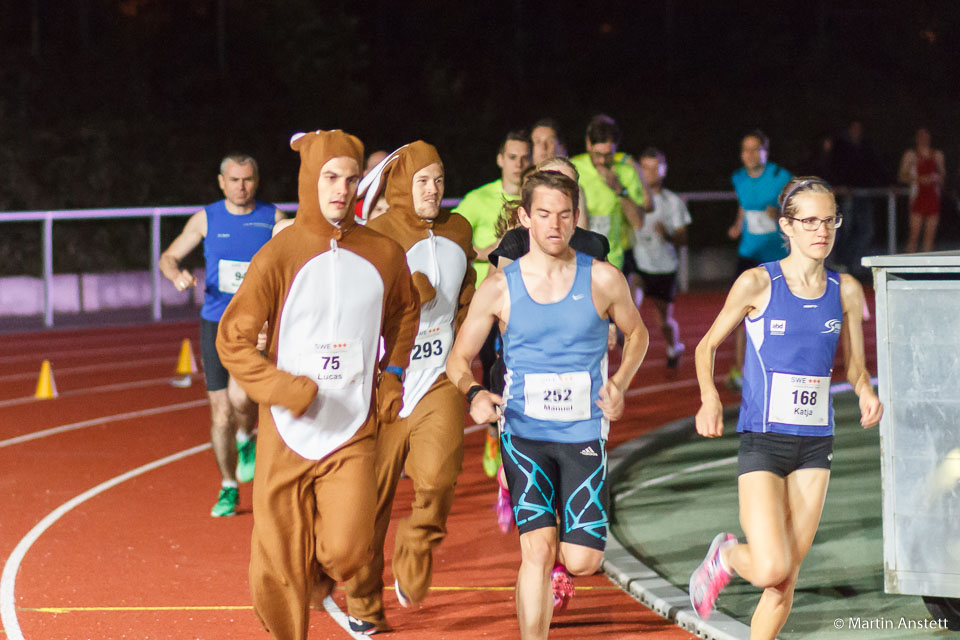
[{"x": 639, "y": 580}]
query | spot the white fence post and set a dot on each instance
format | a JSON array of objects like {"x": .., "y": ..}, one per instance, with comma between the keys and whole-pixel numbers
[
  {"x": 155, "y": 264},
  {"x": 48, "y": 269}
]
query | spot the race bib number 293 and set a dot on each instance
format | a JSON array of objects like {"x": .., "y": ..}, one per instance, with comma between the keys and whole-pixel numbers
[{"x": 430, "y": 349}]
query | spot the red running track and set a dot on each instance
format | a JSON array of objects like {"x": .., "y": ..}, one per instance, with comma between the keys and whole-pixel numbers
[{"x": 99, "y": 554}]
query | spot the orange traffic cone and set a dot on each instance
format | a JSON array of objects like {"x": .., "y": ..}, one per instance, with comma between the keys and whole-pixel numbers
[
  {"x": 46, "y": 387},
  {"x": 186, "y": 365}
]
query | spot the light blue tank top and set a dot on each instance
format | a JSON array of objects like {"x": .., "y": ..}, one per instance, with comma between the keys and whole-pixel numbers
[
  {"x": 756, "y": 194},
  {"x": 228, "y": 248},
  {"x": 789, "y": 359},
  {"x": 556, "y": 361}
]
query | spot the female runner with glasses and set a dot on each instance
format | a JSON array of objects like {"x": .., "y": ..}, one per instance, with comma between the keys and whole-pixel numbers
[{"x": 794, "y": 310}]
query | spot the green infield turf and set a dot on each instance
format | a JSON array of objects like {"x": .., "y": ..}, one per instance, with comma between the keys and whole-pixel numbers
[{"x": 669, "y": 505}]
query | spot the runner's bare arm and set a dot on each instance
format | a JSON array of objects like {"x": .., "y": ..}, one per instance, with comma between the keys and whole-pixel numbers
[
  {"x": 487, "y": 307},
  {"x": 620, "y": 308},
  {"x": 278, "y": 216},
  {"x": 851, "y": 296},
  {"x": 188, "y": 240},
  {"x": 280, "y": 225},
  {"x": 737, "y": 227},
  {"x": 743, "y": 298}
]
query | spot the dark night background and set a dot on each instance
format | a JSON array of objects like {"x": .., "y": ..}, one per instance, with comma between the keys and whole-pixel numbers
[{"x": 109, "y": 103}]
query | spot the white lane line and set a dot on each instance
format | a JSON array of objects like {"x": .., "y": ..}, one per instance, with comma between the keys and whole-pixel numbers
[
  {"x": 36, "y": 435},
  {"x": 341, "y": 618},
  {"x": 676, "y": 474},
  {"x": 667, "y": 386},
  {"x": 8, "y": 610},
  {"x": 140, "y": 347},
  {"x": 129, "y": 364},
  {"x": 120, "y": 386}
]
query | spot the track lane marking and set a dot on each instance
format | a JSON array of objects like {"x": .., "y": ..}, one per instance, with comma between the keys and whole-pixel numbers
[
  {"x": 83, "y": 424},
  {"x": 119, "y": 386},
  {"x": 90, "y": 351},
  {"x": 8, "y": 610},
  {"x": 103, "y": 366}
]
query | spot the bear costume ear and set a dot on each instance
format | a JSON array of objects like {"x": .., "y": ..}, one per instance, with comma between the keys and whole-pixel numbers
[{"x": 296, "y": 140}]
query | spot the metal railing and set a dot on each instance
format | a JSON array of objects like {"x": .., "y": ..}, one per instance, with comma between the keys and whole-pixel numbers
[{"x": 155, "y": 214}]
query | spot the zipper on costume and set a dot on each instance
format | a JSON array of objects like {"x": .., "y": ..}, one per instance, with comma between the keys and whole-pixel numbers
[
  {"x": 334, "y": 289},
  {"x": 433, "y": 255}
]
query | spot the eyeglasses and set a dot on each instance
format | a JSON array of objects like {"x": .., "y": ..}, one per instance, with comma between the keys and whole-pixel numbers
[{"x": 813, "y": 223}]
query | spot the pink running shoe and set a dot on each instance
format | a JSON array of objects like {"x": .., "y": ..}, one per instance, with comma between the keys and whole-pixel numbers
[
  {"x": 562, "y": 583},
  {"x": 709, "y": 579},
  {"x": 504, "y": 510}
]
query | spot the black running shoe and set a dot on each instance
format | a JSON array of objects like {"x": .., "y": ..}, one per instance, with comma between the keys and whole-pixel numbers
[{"x": 362, "y": 626}]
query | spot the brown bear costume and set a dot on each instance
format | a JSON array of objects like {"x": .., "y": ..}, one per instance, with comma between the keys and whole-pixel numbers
[
  {"x": 427, "y": 439},
  {"x": 328, "y": 293}
]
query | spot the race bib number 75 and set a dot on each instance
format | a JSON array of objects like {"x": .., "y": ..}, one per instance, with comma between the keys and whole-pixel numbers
[{"x": 333, "y": 365}]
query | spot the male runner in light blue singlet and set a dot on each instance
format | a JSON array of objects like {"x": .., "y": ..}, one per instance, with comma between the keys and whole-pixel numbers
[
  {"x": 231, "y": 230},
  {"x": 553, "y": 306}
]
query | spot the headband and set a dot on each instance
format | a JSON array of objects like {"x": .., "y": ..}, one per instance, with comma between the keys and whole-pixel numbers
[{"x": 797, "y": 187}]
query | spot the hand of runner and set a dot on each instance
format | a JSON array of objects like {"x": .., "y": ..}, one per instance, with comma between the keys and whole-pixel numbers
[
  {"x": 610, "y": 177},
  {"x": 734, "y": 231},
  {"x": 611, "y": 401},
  {"x": 389, "y": 397},
  {"x": 185, "y": 280},
  {"x": 485, "y": 407},
  {"x": 870, "y": 409},
  {"x": 262, "y": 338},
  {"x": 710, "y": 419}
]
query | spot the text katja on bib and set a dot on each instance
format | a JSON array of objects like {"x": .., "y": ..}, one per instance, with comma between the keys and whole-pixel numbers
[
  {"x": 557, "y": 396},
  {"x": 800, "y": 400}
]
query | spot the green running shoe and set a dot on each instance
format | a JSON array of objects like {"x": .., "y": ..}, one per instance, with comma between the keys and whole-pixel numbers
[
  {"x": 246, "y": 457},
  {"x": 226, "y": 503},
  {"x": 491, "y": 456},
  {"x": 735, "y": 379}
]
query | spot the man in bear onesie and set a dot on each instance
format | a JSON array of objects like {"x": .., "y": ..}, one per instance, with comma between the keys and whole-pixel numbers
[{"x": 328, "y": 289}]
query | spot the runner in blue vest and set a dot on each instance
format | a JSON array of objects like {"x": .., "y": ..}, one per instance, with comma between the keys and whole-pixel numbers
[
  {"x": 553, "y": 306},
  {"x": 231, "y": 230},
  {"x": 795, "y": 311}
]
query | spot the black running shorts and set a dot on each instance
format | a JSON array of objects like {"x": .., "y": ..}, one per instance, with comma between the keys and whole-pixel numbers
[
  {"x": 214, "y": 372},
  {"x": 662, "y": 286},
  {"x": 550, "y": 477},
  {"x": 783, "y": 454}
]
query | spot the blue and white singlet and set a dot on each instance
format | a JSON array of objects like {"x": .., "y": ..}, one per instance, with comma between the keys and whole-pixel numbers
[
  {"x": 789, "y": 360},
  {"x": 228, "y": 248},
  {"x": 556, "y": 361}
]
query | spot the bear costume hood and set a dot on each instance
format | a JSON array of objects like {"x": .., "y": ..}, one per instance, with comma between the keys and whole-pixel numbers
[{"x": 316, "y": 149}]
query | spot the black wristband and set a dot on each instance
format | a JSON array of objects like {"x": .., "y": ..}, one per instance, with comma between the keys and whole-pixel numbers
[{"x": 472, "y": 393}]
